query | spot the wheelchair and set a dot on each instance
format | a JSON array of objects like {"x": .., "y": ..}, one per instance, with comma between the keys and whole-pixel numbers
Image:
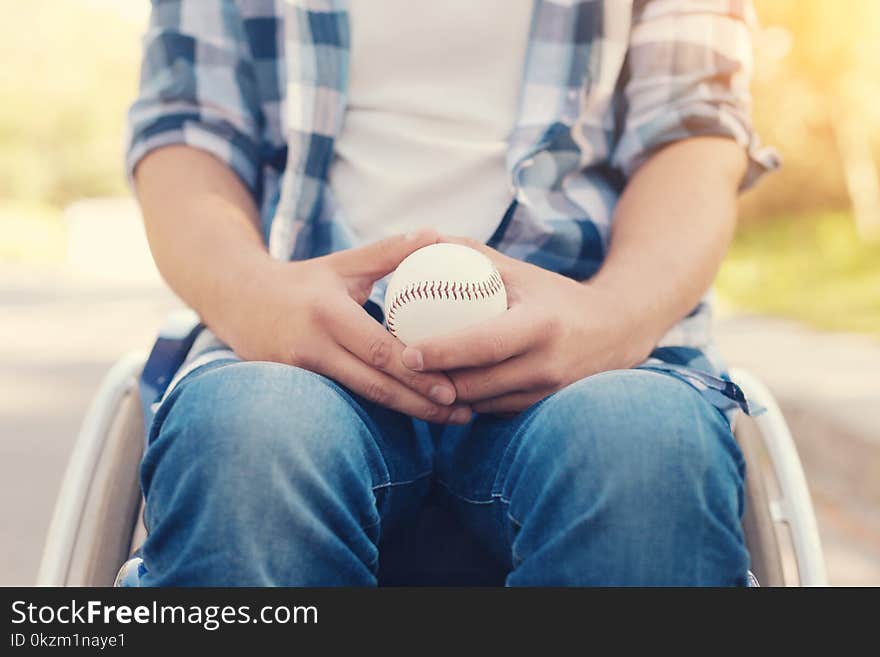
[{"x": 96, "y": 525}]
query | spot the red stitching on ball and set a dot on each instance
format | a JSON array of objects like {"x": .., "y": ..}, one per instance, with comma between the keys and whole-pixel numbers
[{"x": 425, "y": 290}]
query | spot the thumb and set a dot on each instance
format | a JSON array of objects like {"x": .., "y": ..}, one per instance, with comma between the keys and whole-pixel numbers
[
  {"x": 506, "y": 265},
  {"x": 380, "y": 258}
]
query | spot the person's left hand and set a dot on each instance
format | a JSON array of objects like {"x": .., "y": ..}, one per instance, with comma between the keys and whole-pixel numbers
[{"x": 555, "y": 332}]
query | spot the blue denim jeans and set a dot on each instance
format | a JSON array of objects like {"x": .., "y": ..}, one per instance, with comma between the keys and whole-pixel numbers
[{"x": 265, "y": 474}]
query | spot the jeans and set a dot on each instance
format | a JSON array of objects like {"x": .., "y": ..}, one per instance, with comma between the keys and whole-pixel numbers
[{"x": 264, "y": 474}]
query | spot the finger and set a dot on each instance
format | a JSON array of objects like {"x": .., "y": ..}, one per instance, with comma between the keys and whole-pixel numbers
[
  {"x": 518, "y": 374},
  {"x": 382, "y": 389},
  {"x": 380, "y": 258},
  {"x": 352, "y": 328},
  {"x": 505, "y": 264},
  {"x": 493, "y": 341},
  {"x": 471, "y": 242},
  {"x": 513, "y": 403}
]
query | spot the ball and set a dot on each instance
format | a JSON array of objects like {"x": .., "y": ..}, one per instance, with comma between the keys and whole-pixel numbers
[{"x": 440, "y": 289}]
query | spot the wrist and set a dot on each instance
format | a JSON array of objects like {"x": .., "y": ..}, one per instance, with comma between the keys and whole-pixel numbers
[
  {"x": 630, "y": 320},
  {"x": 242, "y": 296}
]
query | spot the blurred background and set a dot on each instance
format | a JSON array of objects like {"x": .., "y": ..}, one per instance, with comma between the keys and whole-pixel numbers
[{"x": 799, "y": 292}]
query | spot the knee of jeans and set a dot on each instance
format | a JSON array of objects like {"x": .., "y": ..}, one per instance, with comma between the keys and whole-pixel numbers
[
  {"x": 244, "y": 429},
  {"x": 636, "y": 435}
]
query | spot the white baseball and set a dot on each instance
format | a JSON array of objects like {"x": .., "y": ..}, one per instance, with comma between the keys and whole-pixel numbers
[{"x": 440, "y": 289}]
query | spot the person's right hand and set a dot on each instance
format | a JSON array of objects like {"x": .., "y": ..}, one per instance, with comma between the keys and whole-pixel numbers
[{"x": 309, "y": 313}]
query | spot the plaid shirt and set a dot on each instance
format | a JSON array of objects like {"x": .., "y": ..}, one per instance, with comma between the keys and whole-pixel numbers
[{"x": 261, "y": 84}]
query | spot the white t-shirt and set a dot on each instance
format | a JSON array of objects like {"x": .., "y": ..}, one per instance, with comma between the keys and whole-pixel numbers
[{"x": 433, "y": 94}]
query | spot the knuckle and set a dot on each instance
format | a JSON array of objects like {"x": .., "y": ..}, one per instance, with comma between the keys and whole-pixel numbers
[
  {"x": 491, "y": 408},
  {"x": 463, "y": 389},
  {"x": 497, "y": 346},
  {"x": 430, "y": 412},
  {"x": 421, "y": 383},
  {"x": 307, "y": 360},
  {"x": 418, "y": 381},
  {"x": 466, "y": 388},
  {"x": 380, "y": 352},
  {"x": 360, "y": 290},
  {"x": 434, "y": 358},
  {"x": 293, "y": 356},
  {"x": 379, "y": 393},
  {"x": 548, "y": 377},
  {"x": 437, "y": 359}
]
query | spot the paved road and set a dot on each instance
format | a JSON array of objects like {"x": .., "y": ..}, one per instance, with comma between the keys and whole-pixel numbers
[
  {"x": 827, "y": 386},
  {"x": 59, "y": 334}
]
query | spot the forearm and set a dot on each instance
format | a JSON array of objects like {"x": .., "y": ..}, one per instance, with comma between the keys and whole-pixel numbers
[
  {"x": 671, "y": 229},
  {"x": 202, "y": 226}
]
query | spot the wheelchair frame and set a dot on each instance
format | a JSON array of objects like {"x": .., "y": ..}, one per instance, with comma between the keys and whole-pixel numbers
[{"x": 95, "y": 525}]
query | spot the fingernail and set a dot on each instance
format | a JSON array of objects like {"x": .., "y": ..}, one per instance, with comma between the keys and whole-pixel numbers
[
  {"x": 442, "y": 395},
  {"x": 412, "y": 358},
  {"x": 460, "y": 416}
]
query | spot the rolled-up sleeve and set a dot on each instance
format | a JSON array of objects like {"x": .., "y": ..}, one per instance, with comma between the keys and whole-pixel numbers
[
  {"x": 687, "y": 74},
  {"x": 198, "y": 87}
]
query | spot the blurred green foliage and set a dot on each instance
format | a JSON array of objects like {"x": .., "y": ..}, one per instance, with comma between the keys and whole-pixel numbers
[
  {"x": 808, "y": 267},
  {"x": 816, "y": 78},
  {"x": 69, "y": 70}
]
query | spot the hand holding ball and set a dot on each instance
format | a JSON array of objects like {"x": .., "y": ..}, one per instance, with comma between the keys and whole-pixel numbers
[{"x": 442, "y": 288}]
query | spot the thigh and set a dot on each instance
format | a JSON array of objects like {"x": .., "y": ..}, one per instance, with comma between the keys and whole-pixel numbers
[
  {"x": 627, "y": 435},
  {"x": 245, "y": 421}
]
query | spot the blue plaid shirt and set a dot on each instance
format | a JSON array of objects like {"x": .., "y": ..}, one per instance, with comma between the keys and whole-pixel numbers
[{"x": 261, "y": 85}]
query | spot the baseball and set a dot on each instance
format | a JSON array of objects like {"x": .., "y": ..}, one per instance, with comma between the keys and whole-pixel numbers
[{"x": 442, "y": 288}]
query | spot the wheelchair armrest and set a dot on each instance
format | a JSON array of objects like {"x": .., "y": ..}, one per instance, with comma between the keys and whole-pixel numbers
[{"x": 175, "y": 339}]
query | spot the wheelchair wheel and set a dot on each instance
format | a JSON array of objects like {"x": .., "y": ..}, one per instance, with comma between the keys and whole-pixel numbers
[
  {"x": 781, "y": 508},
  {"x": 96, "y": 525},
  {"x": 96, "y": 511}
]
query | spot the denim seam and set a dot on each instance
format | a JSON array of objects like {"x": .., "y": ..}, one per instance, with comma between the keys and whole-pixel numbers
[
  {"x": 515, "y": 440},
  {"x": 511, "y": 517},
  {"x": 375, "y": 523},
  {"x": 494, "y": 496},
  {"x": 389, "y": 483},
  {"x": 516, "y": 558},
  {"x": 365, "y": 528}
]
